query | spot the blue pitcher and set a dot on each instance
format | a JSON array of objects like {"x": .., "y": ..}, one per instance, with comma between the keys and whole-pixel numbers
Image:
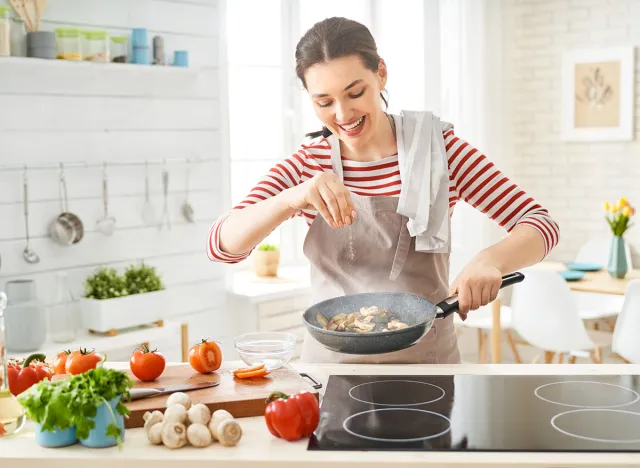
[{"x": 97, "y": 436}]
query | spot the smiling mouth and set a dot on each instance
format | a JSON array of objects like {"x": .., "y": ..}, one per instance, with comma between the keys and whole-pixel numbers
[{"x": 353, "y": 126}]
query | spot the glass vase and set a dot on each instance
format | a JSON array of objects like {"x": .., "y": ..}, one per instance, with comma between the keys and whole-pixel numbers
[
  {"x": 617, "y": 267},
  {"x": 12, "y": 414}
]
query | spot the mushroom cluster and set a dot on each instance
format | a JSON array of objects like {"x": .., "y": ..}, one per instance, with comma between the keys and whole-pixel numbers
[{"x": 183, "y": 423}]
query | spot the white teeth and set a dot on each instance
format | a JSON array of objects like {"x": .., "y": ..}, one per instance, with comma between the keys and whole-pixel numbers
[{"x": 351, "y": 127}]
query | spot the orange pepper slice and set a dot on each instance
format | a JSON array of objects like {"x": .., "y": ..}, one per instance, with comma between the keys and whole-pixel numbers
[
  {"x": 253, "y": 373},
  {"x": 248, "y": 369}
]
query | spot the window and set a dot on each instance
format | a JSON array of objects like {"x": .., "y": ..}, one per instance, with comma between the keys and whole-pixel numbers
[{"x": 270, "y": 110}]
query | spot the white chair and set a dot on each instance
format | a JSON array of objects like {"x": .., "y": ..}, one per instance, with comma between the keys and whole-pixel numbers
[
  {"x": 482, "y": 320},
  {"x": 546, "y": 315},
  {"x": 594, "y": 306},
  {"x": 625, "y": 335}
]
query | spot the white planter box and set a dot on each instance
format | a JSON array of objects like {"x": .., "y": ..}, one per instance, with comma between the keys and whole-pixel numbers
[{"x": 123, "y": 312}]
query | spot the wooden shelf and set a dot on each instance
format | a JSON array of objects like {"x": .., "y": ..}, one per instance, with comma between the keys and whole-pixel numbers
[{"x": 108, "y": 65}]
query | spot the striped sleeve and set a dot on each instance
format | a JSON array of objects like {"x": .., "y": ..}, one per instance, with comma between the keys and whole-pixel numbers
[
  {"x": 283, "y": 175},
  {"x": 477, "y": 181}
]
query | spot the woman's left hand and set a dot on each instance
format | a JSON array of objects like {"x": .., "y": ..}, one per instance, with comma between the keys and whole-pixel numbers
[{"x": 477, "y": 285}]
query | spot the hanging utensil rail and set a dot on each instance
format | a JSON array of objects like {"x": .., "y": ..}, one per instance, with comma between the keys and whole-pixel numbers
[{"x": 86, "y": 164}]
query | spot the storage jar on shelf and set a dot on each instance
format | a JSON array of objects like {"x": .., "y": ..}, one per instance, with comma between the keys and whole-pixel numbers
[
  {"x": 5, "y": 31},
  {"x": 119, "y": 49},
  {"x": 18, "y": 37},
  {"x": 68, "y": 44},
  {"x": 95, "y": 46}
]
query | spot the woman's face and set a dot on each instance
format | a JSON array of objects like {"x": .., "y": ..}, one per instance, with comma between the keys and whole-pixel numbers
[{"x": 346, "y": 98}]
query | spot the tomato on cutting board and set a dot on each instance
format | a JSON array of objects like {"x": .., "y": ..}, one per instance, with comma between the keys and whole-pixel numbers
[
  {"x": 82, "y": 361},
  {"x": 59, "y": 363},
  {"x": 147, "y": 365},
  {"x": 205, "y": 357}
]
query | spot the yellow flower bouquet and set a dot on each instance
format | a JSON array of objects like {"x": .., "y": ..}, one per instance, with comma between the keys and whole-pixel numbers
[{"x": 618, "y": 215}]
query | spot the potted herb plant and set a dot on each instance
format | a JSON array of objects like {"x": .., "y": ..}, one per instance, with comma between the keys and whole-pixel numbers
[
  {"x": 113, "y": 301},
  {"x": 618, "y": 216},
  {"x": 266, "y": 260},
  {"x": 87, "y": 407}
]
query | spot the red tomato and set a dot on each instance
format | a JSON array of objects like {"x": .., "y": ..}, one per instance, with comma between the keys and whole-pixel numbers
[
  {"x": 31, "y": 372},
  {"x": 61, "y": 360},
  {"x": 147, "y": 365},
  {"x": 78, "y": 363},
  {"x": 205, "y": 357},
  {"x": 292, "y": 417}
]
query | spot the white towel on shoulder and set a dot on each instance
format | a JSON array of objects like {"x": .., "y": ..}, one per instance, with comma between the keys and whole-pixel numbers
[{"x": 424, "y": 173}]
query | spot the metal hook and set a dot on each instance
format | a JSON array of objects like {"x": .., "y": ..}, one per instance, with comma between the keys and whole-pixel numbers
[{"x": 24, "y": 175}]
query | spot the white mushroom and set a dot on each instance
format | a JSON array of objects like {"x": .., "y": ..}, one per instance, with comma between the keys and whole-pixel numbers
[
  {"x": 199, "y": 414},
  {"x": 151, "y": 419},
  {"x": 199, "y": 435},
  {"x": 217, "y": 417},
  {"x": 229, "y": 432},
  {"x": 175, "y": 413},
  {"x": 155, "y": 434},
  {"x": 179, "y": 398},
  {"x": 174, "y": 435}
]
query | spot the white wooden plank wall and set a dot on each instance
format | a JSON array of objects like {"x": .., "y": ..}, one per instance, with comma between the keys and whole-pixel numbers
[{"x": 59, "y": 111}]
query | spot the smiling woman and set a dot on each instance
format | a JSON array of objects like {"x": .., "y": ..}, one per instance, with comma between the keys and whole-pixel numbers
[{"x": 377, "y": 191}]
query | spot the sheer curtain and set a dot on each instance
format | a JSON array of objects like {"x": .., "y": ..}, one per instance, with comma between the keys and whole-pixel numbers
[{"x": 472, "y": 100}]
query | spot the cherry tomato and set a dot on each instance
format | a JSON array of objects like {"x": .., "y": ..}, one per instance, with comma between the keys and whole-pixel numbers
[
  {"x": 292, "y": 417},
  {"x": 147, "y": 365},
  {"x": 205, "y": 357},
  {"x": 82, "y": 361}
]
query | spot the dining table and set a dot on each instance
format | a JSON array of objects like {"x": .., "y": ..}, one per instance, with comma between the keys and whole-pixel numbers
[{"x": 593, "y": 281}]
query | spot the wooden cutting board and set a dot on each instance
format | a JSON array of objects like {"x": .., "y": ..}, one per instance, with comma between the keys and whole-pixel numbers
[{"x": 240, "y": 397}]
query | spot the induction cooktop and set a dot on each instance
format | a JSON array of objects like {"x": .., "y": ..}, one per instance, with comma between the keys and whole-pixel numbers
[{"x": 532, "y": 413}]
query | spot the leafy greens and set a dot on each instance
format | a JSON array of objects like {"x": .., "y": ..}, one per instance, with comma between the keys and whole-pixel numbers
[{"x": 74, "y": 402}]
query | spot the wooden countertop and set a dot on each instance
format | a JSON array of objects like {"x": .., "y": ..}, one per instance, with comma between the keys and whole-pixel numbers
[{"x": 258, "y": 448}]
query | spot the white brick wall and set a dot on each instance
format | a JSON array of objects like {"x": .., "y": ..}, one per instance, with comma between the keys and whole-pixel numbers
[{"x": 570, "y": 179}]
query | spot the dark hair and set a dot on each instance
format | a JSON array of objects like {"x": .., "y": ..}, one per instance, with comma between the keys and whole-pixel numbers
[{"x": 334, "y": 38}]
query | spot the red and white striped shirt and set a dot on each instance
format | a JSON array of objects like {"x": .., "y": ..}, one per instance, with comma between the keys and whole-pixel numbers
[{"x": 472, "y": 178}]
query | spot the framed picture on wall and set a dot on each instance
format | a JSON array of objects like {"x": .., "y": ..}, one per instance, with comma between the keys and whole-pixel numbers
[{"x": 598, "y": 94}]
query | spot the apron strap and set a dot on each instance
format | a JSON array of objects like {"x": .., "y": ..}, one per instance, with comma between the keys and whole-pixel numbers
[
  {"x": 402, "y": 250},
  {"x": 336, "y": 160}
]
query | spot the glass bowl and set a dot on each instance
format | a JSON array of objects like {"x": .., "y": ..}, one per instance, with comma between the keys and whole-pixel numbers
[{"x": 273, "y": 349}]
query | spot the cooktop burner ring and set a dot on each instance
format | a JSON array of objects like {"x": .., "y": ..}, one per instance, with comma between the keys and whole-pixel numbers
[
  {"x": 382, "y": 439},
  {"x": 554, "y": 424},
  {"x": 439, "y": 397},
  {"x": 636, "y": 396}
]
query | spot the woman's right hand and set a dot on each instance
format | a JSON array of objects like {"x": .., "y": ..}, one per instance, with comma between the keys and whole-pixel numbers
[{"x": 327, "y": 194}]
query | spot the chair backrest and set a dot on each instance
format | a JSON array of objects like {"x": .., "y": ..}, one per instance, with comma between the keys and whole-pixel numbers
[
  {"x": 626, "y": 340},
  {"x": 545, "y": 313},
  {"x": 596, "y": 250}
]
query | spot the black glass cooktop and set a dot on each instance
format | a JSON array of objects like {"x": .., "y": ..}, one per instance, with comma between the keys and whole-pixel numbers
[{"x": 480, "y": 412}]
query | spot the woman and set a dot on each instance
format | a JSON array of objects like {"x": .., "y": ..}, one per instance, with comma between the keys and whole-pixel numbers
[{"x": 378, "y": 191}]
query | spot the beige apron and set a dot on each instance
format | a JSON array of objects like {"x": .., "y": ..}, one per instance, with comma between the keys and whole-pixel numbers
[{"x": 377, "y": 254}]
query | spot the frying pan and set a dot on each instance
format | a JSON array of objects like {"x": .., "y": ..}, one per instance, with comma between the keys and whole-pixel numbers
[{"x": 416, "y": 311}]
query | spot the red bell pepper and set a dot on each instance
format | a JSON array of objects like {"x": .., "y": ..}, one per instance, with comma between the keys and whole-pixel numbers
[
  {"x": 32, "y": 371},
  {"x": 292, "y": 417}
]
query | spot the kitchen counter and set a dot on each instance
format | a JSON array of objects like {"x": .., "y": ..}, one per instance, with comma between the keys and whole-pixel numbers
[{"x": 258, "y": 448}]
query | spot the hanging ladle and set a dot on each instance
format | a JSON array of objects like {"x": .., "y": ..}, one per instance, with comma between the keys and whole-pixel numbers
[
  {"x": 187, "y": 209},
  {"x": 29, "y": 255},
  {"x": 107, "y": 224}
]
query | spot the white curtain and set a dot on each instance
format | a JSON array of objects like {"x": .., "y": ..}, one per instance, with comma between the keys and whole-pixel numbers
[{"x": 471, "y": 82}]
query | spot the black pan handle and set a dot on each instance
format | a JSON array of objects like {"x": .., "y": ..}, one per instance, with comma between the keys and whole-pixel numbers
[{"x": 450, "y": 304}]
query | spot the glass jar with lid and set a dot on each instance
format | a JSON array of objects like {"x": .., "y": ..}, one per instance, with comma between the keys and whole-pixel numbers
[
  {"x": 95, "y": 46},
  {"x": 68, "y": 44},
  {"x": 5, "y": 31},
  {"x": 120, "y": 49}
]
